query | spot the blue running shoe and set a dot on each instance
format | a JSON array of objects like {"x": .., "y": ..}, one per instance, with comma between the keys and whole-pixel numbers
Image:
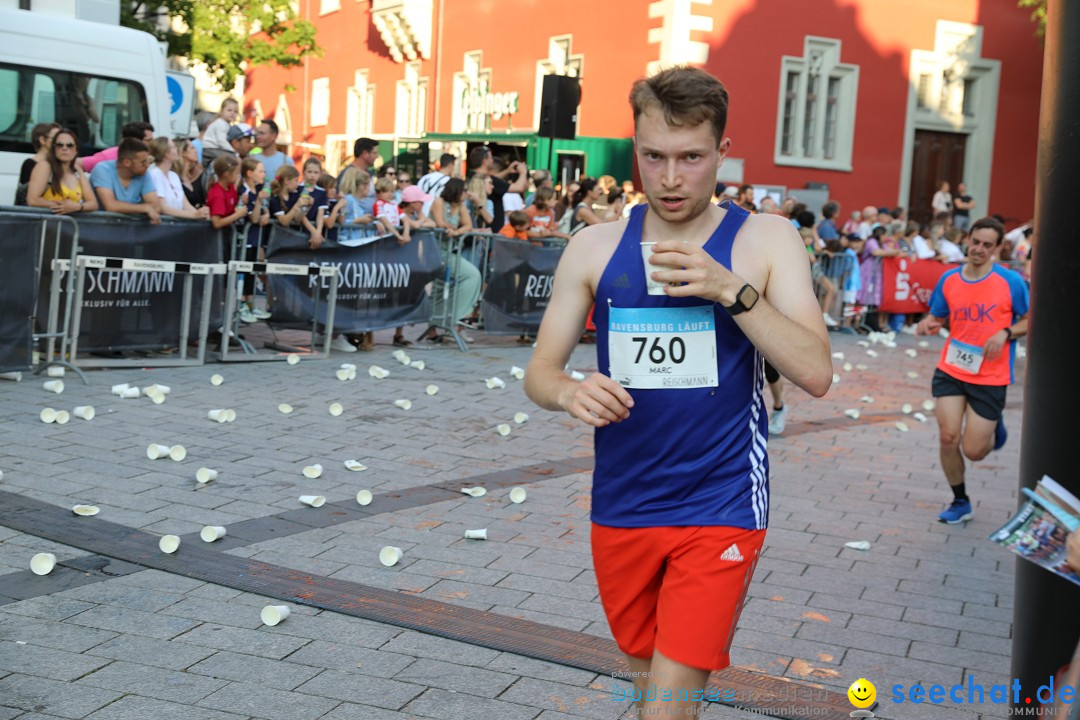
[
  {"x": 958, "y": 512},
  {"x": 1000, "y": 434}
]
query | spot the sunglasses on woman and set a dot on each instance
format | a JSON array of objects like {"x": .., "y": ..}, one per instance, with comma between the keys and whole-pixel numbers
[{"x": 64, "y": 144}]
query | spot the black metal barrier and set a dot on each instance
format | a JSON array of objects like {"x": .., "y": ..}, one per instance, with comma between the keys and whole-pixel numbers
[
  {"x": 19, "y": 249},
  {"x": 519, "y": 280}
]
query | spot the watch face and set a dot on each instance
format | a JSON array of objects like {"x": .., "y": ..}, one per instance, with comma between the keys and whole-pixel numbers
[{"x": 747, "y": 297}]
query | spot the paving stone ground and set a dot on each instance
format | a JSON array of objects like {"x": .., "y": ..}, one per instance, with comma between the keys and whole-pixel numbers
[{"x": 928, "y": 603}]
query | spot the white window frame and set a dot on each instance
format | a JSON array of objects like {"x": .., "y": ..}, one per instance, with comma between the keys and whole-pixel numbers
[
  {"x": 410, "y": 113},
  {"x": 328, "y": 6},
  {"x": 821, "y": 57},
  {"x": 320, "y": 102},
  {"x": 360, "y": 105}
]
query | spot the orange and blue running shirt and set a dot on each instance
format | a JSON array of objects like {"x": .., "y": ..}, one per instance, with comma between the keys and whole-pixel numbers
[{"x": 976, "y": 310}]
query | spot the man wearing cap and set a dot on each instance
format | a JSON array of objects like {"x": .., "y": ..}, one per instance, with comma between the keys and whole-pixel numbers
[{"x": 241, "y": 138}]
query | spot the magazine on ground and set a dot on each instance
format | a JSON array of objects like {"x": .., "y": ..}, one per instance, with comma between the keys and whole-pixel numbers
[{"x": 1039, "y": 529}]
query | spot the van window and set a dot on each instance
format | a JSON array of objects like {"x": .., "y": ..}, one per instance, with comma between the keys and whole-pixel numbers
[{"x": 95, "y": 108}]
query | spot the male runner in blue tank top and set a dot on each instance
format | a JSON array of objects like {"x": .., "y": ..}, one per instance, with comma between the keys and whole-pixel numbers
[{"x": 680, "y": 489}]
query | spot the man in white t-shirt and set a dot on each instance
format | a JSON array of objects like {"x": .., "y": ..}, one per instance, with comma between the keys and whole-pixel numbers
[{"x": 432, "y": 183}]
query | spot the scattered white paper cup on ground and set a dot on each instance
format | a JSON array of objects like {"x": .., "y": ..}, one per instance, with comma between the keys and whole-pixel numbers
[
  {"x": 872, "y": 353},
  {"x": 838, "y": 356},
  {"x": 216, "y": 379},
  {"x": 902, "y": 427},
  {"x": 517, "y": 373},
  {"x": 230, "y": 415},
  {"x": 861, "y": 366},
  {"x": 475, "y": 491},
  {"x": 84, "y": 412},
  {"x": 55, "y": 371},
  {"x": 906, "y": 408},
  {"x": 928, "y": 405},
  {"x": 398, "y": 355},
  {"x": 210, "y": 533},
  {"x": 378, "y": 372},
  {"x": 848, "y": 367},
  {"x": 866, "y": 399},
  {"x": 85, "y": 510},
  {"x": 911, "y": 352},
  {"x": 857, "y": 545},
  {"x": 292, "y": 359},
  {"x": 517, "y": 495},
  {"x": 314, "y": 501},
  {"x": 156, "y": 451},
  {"x": 273, "y": 614},
  {"x": 54, "y": 386},
  {"x": 47, "y": 415},
  {"x": 521, "y": 418},
  {"x": 42, "y": 563},
  {"x": 364, "y": 497},
  {"x": 119, "y": 388},
  {"x": 130, "y": 393},
  {"x": 835, "y": 378},
  {"x": 336, "y": 409},
  {"x": 163, "y": 389},
  {"x": 218, "y": 415},
  {"x": 390, "y": 555},
  {"x": 62, "y": 417},
  {"x": 920, "y": 417},
  {"x": 404, "y": 404},
  {"x": 924, "y": 344},
  {"x": 912, "y": 375},
  {"x": 418, "y": 364},
  {"x": 204, "y": 475},
  {"x": 177, "y": 453},
  {"x": 342, "y": 374},
  {"x": 156, "y": 397},
  {"x": 313, "y": 471},
  {"x": 503, "y": 429},
  {"x": 480, "y": 534},
  {"x": 355, "y": 465},
  {"x": 495, "y": 383},
  {"x": 852, "y": 413},
  {"x": 431, "y": 389},
  {"x": 284, "y": 408},
  {"x": 169, "y": 544}
]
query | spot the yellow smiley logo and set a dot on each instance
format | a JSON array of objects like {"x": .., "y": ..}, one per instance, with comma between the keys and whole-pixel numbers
[{"x": 862, "y": 693}]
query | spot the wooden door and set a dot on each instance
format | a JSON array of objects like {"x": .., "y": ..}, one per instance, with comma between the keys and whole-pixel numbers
[{"x": 938, "y": 156}]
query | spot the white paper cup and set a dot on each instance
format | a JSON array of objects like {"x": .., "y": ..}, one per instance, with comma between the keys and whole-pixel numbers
[
  {"x": 404, "y": 404},
  {"x": 62, "y": 417},
  {"x": 418, "y": 364},
  {"x": 652, "y": 287},
  {"x": 156, "y": 451},
  {"x": 364, "y": 497},
  {"x": 377, "y": 372},
  {"x": 293, "y": 359},
  {"x": 169, "y": 544},
  {"x": 313, "y": 500},
  {"x": 517, "y": 495},
  {"x": 216, "y": 379},
  {"x": 210, "y": 533},
  {"x": 390, "y": 555},
  {"x": 273, "y": 614},
  {"x": 355, "y": 465},
  {"x": 521, "y": 418},
  {"x": 476, "y": 534},
  {"x": 85, "y": 412},
  {"x": 503, "y": 429},
  {"x": 336, "y": 409},
  {"x": 117, "y": 389},
  {"x": 205, "y": 475},
  {"x": 852, "y": 413},
  {"x": 906, "y": 408},
  {"x": 284, "y": 408},
  {"x": 55, "y": 371},
  {"x": 404, "y": 359},
  {"x": 475, "y": 491},
  {"x": 131, "y": 392},
  {"x": 163, "y": 389},
  {"x": 219, "y": 415},
  {"x": 85, "y": 510},
  {"x": 342, "y": 374},
  {"x": 398, "y": 355},
  {"x": 348, "y": 366},
  {"x": 432, "y": 389},
  {"x": 313, "y": 471},
  {"x": 495, "y": 383},
  {"x": 42, "y": 563},
  {"x": 928, "y": 405},
  {"x": 230, "y": 415},
  {"x": 155, "y": 396},
  {"x": 54, "y": 386},
  {"x": 47, "y": 415}
]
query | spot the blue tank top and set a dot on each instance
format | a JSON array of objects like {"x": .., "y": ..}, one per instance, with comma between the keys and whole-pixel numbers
[{"x": 685, "y": 456}]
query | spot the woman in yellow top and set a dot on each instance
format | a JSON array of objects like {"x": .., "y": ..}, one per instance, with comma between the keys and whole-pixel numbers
[{"x": 56, "y": 183}]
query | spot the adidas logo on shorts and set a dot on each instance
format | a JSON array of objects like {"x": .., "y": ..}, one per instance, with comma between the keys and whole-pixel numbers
[
  {"x": 732, "y": 553},
  {"x": 623, "y": 281}
]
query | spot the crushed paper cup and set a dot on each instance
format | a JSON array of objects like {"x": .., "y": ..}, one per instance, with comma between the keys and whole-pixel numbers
[
  {"x": 517, "y": 373},
  {"x": 163, "y": 389},
  {"x": 911, "y": 352},
  {"x": 42, "y": 563},
  {"x": 12, "y": 376},
  {"x": 292, "y": 359},
  {"x": 204, "y": 475},
  {"x": 84, "y": 412},
  {"x": 273, "y": 614},
  {"x": 902, "y": 427},
  {"x": 216, "y": 379},
  {"x": 928, "y": 405},
  {"x": 398, "y": 355},
  {"x": 219, "y": 415},
  {"x": 157, "y": 397},
  {"x": 476, "y": 534},
  {"x": 314, "y": 501},
  {"x": 888, "y": 343},
  {"x": 838, "y": 356},
  {"x": 517, "y": 495},
  {"x": 912, "y": 374},
  {"x": 503, "y": 429},
  {"x": 847, "y": 367},
  {"x": 62, "y": 417},
  {"x": 495, "y": 383},
  {"x": 156, "y": 451},
  {"x": 347, "y": 366},
  {"x": 210, "y": 533},
  {"x": 230, "y": 415},
  {"x": 169, "y": 544},
  {"x": 924, "y": 344},
  {"x": 475, "y": 491},
  {"x": 521, "y": 418},
  {"x": 404, "y": 404},
  {"x": 177, "y": 453},
  {"x": 342, "y": 374},
  {"x": 404, "y": 359},
  {"x": 355, "y": 465},
  {"x": 863, "y": 343},
  {"x": 906, "y": 408},
  {"x": 861, "y": 366},
  {"x": 364, "y": 497},
  {"x": 920, "y": 417},
  {"x": 835, "y": 378},
  {"x": 285, "y": 408},
  {"x": 378, "y": 372},
  {"x": 47, "y": 415},
  {"x": 866, "y": 399},
  {"x": 390, "y": 555},
  {"x": 336, "y": 409},
  {"x": 55, "y": 371},
  {"x": 119, "y": 388},
  {"x": 131, "y": 392},
  {"x": 857, "y": 545},
  {"x": 575, "y": 375},
  {"x": 872, "y": 353},
  {"x": 418, "y": 364},
  {"x": 85, "y": 510},
  {"x": 852, "y": 413},
  {"x": 54, "y": 386},
  {"x": 431, "y": 389},
  {"x": 312, "y": 472}
]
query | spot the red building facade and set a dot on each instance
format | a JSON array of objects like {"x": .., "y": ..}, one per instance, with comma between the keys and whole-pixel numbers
[{"x": 873, "y": 101}]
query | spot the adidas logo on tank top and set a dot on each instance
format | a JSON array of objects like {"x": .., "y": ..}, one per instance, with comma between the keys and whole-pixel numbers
[
  {"x": 623, "y": 281},
  {"x": 732, "y": 554}
]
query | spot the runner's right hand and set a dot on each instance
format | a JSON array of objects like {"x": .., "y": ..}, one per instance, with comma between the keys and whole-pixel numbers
[{"x": 597, "y": 400}]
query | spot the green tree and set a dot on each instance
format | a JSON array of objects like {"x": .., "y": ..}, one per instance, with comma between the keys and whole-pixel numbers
[
  {"x": 1038, "y": 14},
  {"x": 225, "y": 33}
]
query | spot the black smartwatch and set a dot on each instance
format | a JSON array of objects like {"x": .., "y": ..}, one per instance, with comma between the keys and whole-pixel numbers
[
  {"x": 745, "y": 299},
  {"x": 1008, "y": 334}
]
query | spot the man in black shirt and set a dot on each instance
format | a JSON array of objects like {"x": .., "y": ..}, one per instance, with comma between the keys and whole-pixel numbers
[
  {"x": 962, "y": 205},
  {"x": 481, "y": 163}
]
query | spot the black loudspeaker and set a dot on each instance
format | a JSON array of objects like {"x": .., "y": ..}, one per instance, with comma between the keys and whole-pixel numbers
[{"x": 558, "y": 107}]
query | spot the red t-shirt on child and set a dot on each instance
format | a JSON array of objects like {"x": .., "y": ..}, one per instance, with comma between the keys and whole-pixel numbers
[{"x": 221, "y": 200}]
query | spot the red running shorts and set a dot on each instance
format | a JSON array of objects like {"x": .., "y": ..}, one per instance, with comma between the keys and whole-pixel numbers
[{"x": 678, "y": 590}]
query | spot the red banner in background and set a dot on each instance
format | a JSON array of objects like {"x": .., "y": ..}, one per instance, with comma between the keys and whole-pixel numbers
[{"x": 906, "y": 284}]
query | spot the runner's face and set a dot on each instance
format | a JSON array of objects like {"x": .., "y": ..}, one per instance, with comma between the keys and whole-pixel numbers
[
  {"x": 678, "y": 165},
  {"x": 982, "y": 247}
]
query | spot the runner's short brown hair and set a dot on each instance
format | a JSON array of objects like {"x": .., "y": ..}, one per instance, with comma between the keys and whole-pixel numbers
[{"x": 686, "y": 95}]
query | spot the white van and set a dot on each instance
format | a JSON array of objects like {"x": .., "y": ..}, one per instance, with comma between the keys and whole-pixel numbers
[{"x": 89, "y": 77}]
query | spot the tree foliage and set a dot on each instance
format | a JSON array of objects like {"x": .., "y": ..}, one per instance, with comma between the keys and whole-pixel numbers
[
  {"x": 223, "y": 34},
  {"x": 1038, "y": 14}
]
